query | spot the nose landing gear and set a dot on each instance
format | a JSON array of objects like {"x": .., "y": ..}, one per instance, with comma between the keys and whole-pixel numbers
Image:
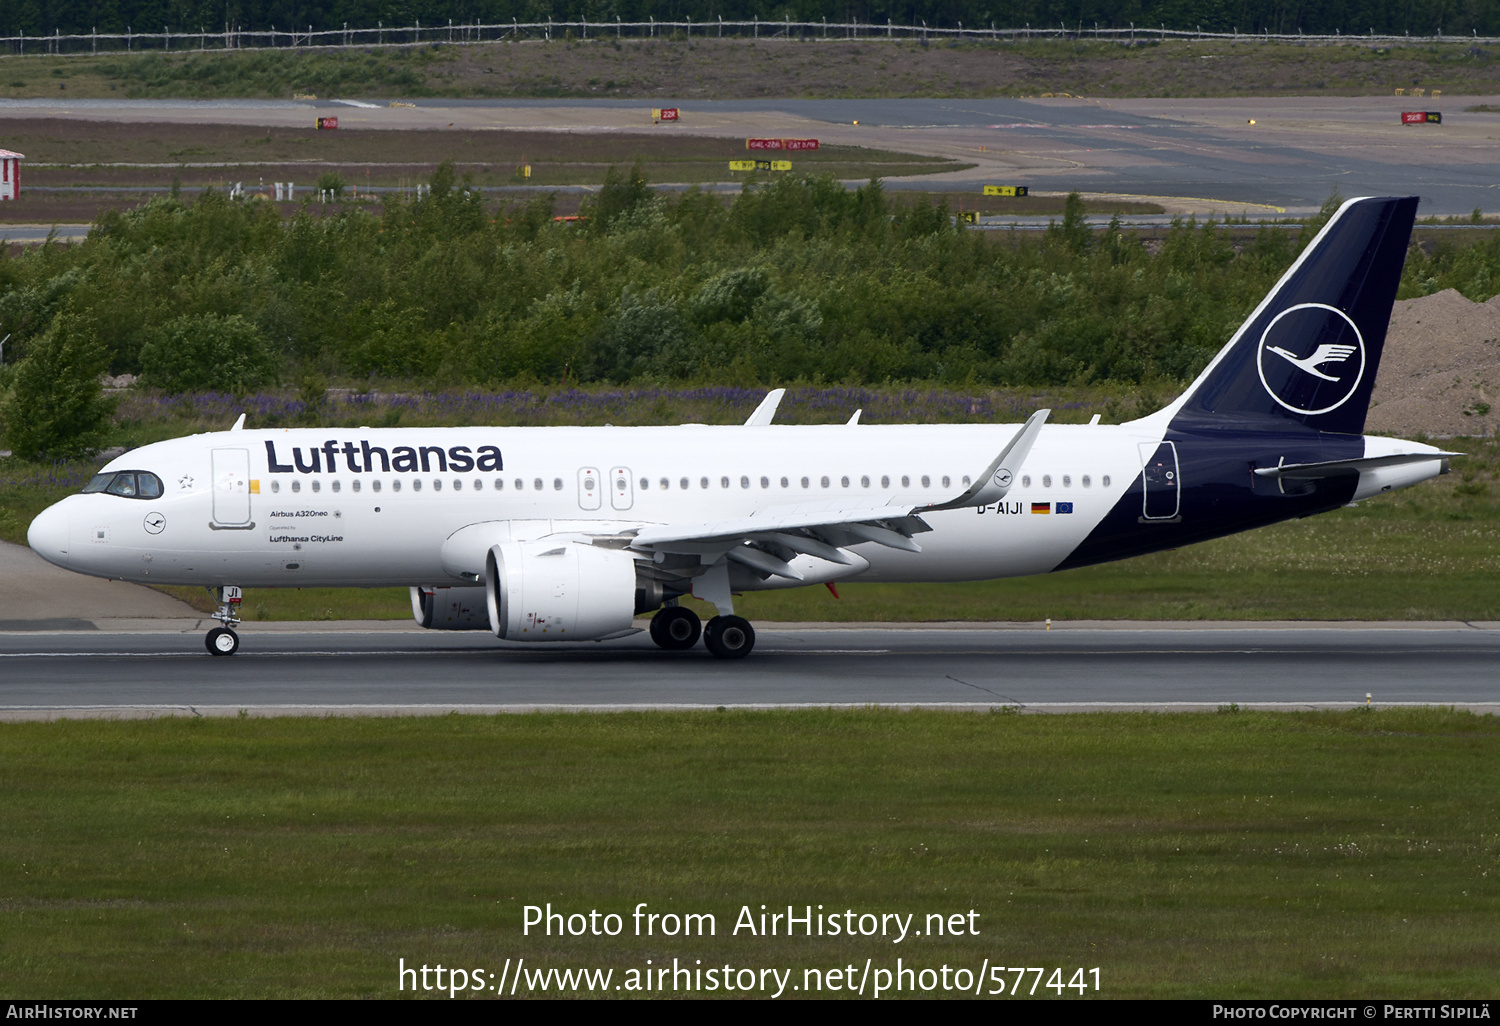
[{"x": 222, "y": 640}]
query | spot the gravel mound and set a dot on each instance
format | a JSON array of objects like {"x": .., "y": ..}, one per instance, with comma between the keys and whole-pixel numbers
[{"x": 1440, "y": 368}]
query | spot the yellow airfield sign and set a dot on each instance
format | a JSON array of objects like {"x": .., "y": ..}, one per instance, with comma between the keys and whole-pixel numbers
[
  {"x": 1005, "y": 190},
  {"x": 760, "y": 165}
]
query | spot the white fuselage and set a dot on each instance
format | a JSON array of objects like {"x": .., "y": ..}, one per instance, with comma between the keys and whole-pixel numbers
[{"x": 375, "y": 515}]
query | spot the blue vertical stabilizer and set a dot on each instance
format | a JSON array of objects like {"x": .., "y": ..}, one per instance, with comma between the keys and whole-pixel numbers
[{"x": 1310, "y": 351}]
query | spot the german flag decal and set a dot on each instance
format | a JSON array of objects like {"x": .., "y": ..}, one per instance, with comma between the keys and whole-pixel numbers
[{"x": 1041, "y": 507}]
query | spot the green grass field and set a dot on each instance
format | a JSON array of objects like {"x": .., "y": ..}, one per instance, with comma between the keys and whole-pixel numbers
[{"x": 1233, "y": 855}]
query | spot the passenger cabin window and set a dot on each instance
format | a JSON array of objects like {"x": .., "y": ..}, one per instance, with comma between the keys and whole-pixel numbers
[{"x": 129, "y": 484}]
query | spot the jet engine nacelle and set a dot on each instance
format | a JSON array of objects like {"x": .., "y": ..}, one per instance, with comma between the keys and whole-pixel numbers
[
  {"x": 553, "y": 590},
  {"x": 450, "y": 609}
]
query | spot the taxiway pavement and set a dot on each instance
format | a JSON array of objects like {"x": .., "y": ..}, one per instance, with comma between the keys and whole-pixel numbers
[{"x": 1254, "y": 155}]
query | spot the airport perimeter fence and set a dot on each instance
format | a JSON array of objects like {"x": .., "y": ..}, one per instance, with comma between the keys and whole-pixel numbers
[{"x": 470, "y": 33}]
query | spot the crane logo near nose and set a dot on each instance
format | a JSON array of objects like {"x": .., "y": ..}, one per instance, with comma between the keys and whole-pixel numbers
[{"x": 155, "y": 523}]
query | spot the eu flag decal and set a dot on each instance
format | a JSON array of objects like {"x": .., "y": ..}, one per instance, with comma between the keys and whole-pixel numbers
[
  {"x": 1041, "y": 507},
  {"x": 1065, "y": 507}
]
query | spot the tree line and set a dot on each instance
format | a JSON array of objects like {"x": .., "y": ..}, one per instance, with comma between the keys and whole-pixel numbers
[
  {"x": 1351, "y": 17},
  {"x": 797, "y": 280}
]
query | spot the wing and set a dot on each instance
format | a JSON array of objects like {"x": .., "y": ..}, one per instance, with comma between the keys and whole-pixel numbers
[{"x": 816, "y": 536}]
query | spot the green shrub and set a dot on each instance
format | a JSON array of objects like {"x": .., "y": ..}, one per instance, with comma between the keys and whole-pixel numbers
[
  {"x": 204, "y": 352},
  {"x": 55, "y": 406}
]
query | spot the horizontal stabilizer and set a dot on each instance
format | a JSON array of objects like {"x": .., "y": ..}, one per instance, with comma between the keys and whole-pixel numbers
[{"x": 1336, "y": 468}]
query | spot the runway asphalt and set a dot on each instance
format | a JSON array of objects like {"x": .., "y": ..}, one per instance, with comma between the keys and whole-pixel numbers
[
  {"x": 1253, "y": 155},
  {"x": 46, "y": 674}
]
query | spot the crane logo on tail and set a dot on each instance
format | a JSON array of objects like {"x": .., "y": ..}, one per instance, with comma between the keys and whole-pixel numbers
[{"x": 1318, "y": 358}]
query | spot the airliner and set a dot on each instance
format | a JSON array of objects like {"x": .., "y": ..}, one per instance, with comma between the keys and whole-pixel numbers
[{"x": 563, "y": 534}]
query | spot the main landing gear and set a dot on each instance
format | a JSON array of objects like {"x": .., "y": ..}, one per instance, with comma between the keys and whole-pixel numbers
[
  {"x": 677, "y": 628},
  {"x": 222, "y": 641},
  {"x": 729, "y": 637}
]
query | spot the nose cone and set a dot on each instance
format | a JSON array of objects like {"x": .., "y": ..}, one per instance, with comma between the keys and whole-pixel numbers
[{"x": 48, "y": 535}]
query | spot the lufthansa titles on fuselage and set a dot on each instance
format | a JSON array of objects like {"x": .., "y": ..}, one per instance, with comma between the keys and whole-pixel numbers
[{"x": 400, "y": 459}]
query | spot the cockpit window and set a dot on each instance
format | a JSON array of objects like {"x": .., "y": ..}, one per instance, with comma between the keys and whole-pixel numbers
[{"x": 132, "y": 484}]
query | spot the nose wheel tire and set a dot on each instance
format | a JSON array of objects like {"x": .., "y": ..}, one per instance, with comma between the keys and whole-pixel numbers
[
  {"x": 221, "y": 641},
  {"x": 676, "y": 628},
  {"x": 729, "y": 637}
]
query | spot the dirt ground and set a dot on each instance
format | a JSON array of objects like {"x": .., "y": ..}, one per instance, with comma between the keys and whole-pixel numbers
[{"x": 1440, "y": 372}]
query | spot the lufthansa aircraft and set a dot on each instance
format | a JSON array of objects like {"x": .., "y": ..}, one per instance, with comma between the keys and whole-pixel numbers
[{"x": 567, "y": 534}]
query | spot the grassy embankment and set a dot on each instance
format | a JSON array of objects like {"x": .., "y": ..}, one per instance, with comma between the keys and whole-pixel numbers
[
  {"x": 1240, "y": 855},
  {"x": 93, "y": 153},
  {"x": 1427, "y": 553},
  {"x": 744, "y": 68}
]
